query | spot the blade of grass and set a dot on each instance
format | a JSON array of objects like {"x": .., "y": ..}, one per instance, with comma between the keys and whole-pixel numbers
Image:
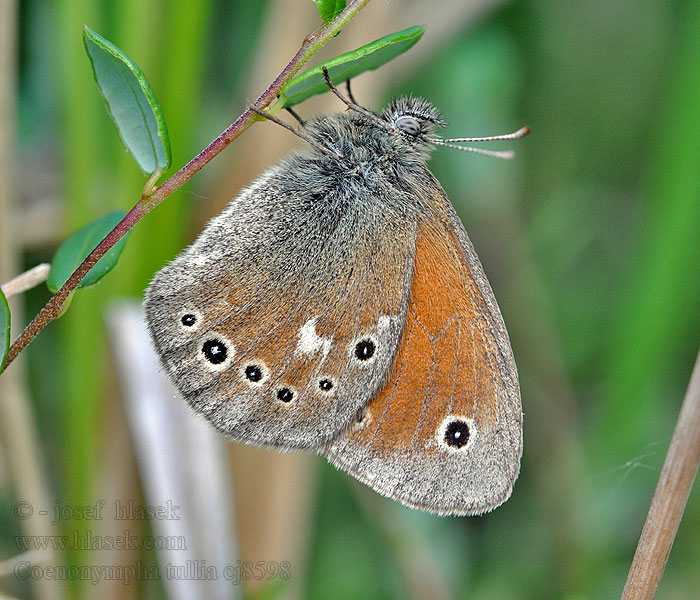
[
  {"x": 658, "y": 306},
  {"x": 83, "y": 148},
  {"x": 183, "y": 41},
  {"x": 23, "y": 467},
  {"x": 4, "y": 328}
]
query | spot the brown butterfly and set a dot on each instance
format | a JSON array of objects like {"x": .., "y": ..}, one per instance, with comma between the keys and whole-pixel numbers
[{"x": 337, "y": 305}]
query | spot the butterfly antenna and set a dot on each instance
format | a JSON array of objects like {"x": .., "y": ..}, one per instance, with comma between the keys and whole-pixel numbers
[
  {"x": 351, "y": 104},
  {"x": 516, "y": 135},
  {"x": 506, "y": 154},
  {"x": 300, "y": 133}
]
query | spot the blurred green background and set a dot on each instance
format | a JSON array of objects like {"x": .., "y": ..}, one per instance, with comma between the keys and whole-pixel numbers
[{"x": 589, "y": 238}]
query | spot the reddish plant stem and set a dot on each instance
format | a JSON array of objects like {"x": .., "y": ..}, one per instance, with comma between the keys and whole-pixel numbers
[
  {"x": 52, "y": 309},
  {"x": 312, "y": 43}
]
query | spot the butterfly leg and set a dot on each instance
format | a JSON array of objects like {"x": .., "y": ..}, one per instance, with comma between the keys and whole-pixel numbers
[
  {"x": 300, "y": 133},
  {"x": 352, "y": 98},
  {"x": 295, "y": 115},
  {"x": 351, "y": 104}
]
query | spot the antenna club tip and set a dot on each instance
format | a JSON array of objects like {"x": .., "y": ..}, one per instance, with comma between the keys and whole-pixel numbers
[{"x": 524, "y": 131}]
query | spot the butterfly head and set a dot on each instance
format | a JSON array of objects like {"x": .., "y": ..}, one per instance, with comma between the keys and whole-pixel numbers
[
  {"x": 402, "y": 134},
  {"x": 414, "y": 121}
]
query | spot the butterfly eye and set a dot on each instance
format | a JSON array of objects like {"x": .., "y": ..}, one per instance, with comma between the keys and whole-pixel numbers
[
  {"x": 409, "y": 125},
  {"x": 455, "y": 433}
]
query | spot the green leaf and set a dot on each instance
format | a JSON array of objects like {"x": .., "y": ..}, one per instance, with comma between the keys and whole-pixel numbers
[
  {"x": 130, "y": 102},
  {"x": 4, "y": 329},
  {"x": 348, "y": 65},
  {"x": 74, "y": 250},
  {"x": 329, "y": 9}
]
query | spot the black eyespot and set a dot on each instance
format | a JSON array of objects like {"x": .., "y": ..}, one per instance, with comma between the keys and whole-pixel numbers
[
  {"x": 360, "y": 416},
  {"x": 364, "y": 350},
  {"x": 325, "y": 385},
  {"x": 409, "y": 125},
  {"x": 188, "y": 320},
  {"x": 457, "y": 434},
  {"x": 214, "y": 351},
  {"x": 253, "y": 373},
  {"x": 285, "y": 395}
]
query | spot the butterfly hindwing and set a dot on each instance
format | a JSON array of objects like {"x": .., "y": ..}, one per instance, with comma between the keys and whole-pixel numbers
[{"x": 444, "y": 433}]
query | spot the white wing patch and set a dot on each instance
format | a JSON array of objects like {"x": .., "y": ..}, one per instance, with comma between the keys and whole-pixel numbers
[
  {"x": 310, "y": 342},
  {"x": 384, "y": 322}
]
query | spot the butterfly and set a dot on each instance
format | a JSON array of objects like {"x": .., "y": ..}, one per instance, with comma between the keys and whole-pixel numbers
[{"x": 337, "y": 305}]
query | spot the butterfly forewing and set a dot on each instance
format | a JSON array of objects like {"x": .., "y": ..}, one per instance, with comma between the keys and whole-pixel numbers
[{"x": 279, "y": 335}]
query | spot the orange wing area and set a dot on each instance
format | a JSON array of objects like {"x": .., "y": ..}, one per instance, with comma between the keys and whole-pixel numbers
[
  {"x": 452, "y": 362},
  {"x": 447, "y": 361}
]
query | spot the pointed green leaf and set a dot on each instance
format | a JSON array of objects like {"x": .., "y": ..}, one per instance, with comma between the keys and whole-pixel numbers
[
  {"x": 329, "y": 9},
  {"x": 74, "y": 250},
  {"x": 4, "y": 329},
  {"x": 348, "y": 65},
  {"x": 130, "y": 102}
]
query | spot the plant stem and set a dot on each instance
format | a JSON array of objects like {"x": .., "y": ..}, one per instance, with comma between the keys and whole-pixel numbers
[
  {"x": 670, "y": 498},
  {"x": 26, "y": 281},
  {"x": 312, "y": 44}
]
